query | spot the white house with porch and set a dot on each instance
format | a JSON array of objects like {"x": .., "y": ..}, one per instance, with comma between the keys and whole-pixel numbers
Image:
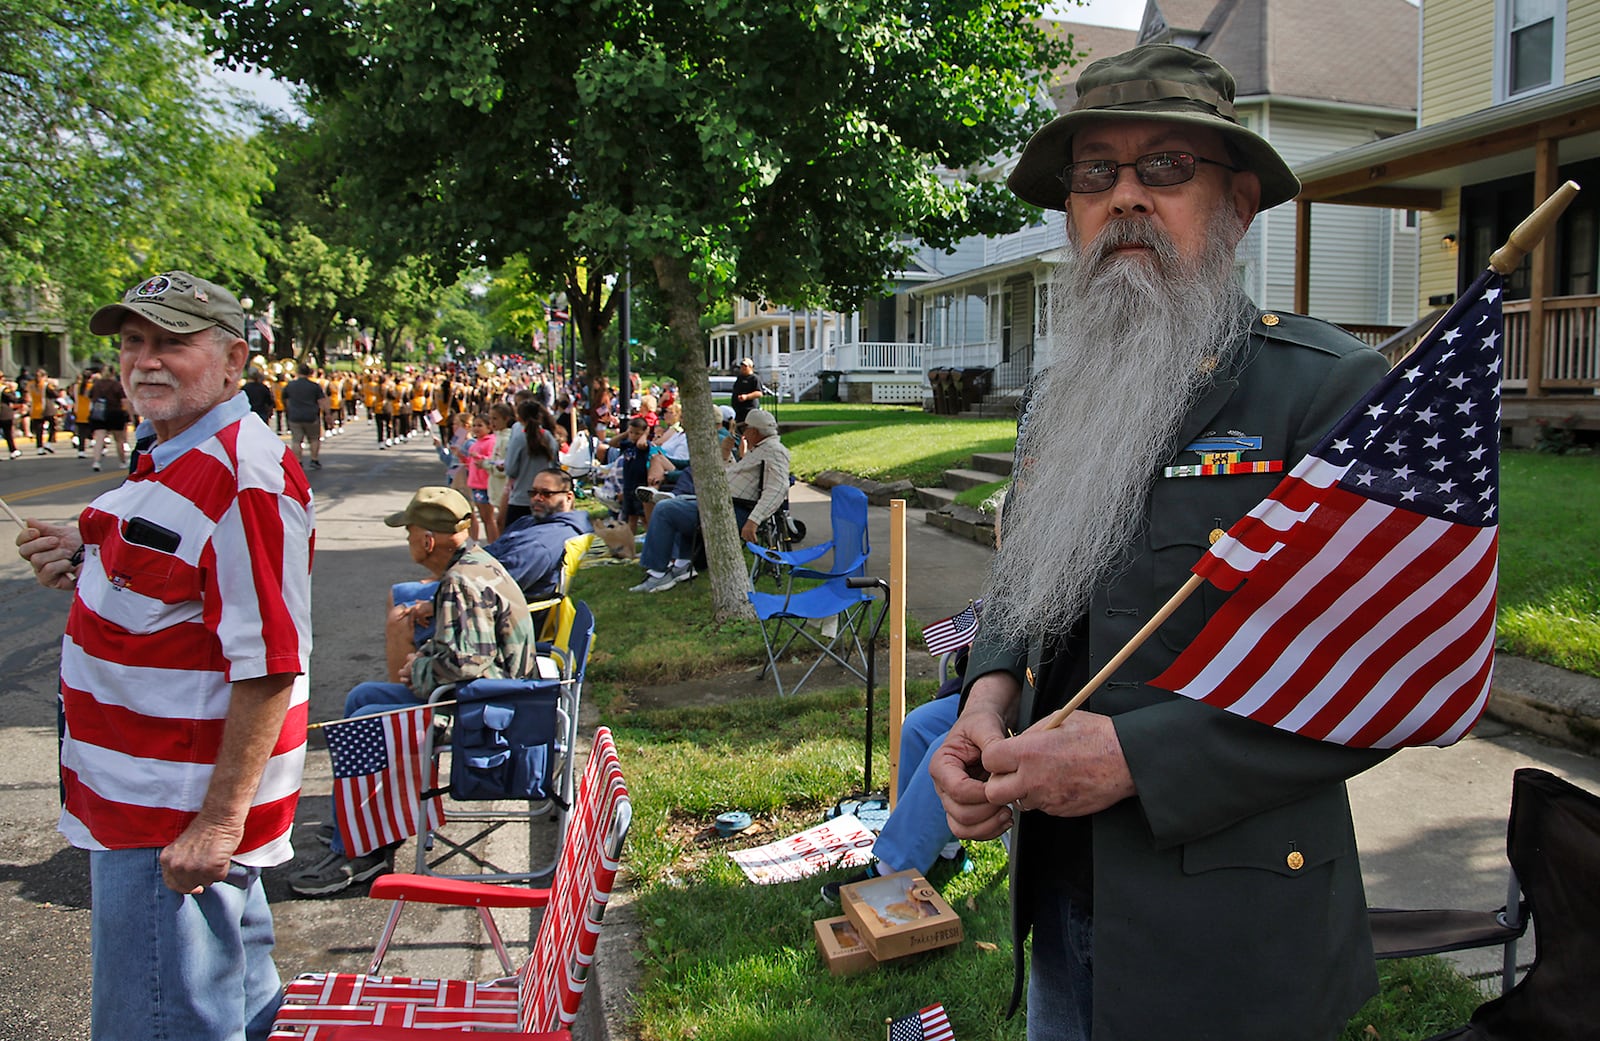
[{"x": 982, "y": 307}]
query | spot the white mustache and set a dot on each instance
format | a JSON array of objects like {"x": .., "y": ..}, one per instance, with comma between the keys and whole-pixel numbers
[{"x": 152, "y": 379}]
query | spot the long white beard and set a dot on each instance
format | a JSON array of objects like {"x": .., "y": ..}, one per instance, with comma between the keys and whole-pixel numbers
[{"x": 1138, "y": 338}]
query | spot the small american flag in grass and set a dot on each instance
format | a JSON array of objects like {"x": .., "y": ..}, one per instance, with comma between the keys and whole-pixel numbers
[{"x": 929, "y": 1024}]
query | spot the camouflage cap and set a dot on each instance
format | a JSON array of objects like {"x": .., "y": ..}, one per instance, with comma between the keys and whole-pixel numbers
[
  {"x": 1154, "y": 82},
  {"x": 434, "y": 508},
  {"x": 176, "y": 301}
]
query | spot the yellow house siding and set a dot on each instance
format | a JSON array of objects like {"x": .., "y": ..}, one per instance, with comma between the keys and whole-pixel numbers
[
  {"x": 1583, "y": 40},
  {"x": 1436, "y": 267},
  {"x": 1458, "y": 57}
]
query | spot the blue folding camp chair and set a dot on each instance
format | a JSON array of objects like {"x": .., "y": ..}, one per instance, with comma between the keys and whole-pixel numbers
[
  {"x": 784, "y": 615},
  {"x": 512, "y": 741}
]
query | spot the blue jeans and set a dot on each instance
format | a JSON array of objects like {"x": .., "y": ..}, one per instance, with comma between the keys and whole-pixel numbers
[
  {"x": 1061, "y": 981},
  {"x": 365, "y": 699},
  {"x": 173, "y": 967},
  {"x": 410, "y": 593},
  {"x": 917, "y": 829},
  {"x": 673, "y": 527}
]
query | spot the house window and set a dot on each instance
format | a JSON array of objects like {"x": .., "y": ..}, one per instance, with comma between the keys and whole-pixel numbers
[
  {"x": 1529, "y": 46},
  {"x": 1005, "y": 325}
]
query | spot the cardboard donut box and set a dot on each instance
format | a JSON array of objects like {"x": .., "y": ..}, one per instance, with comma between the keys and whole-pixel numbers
[{"x": 889, "y": 917}]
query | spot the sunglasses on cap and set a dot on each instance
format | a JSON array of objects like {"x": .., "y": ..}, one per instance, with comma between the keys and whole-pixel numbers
[{"x": 1156, "y": 170}]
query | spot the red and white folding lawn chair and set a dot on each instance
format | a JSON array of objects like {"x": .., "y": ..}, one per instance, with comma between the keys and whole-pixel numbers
[{"x": 541, "y": 1001}]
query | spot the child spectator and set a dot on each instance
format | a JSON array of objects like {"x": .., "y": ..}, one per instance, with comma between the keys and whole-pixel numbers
[{"x": 480, "y": 459}]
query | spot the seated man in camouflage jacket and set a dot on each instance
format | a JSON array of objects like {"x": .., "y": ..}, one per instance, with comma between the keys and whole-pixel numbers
[{"x": 482, "y": 629}]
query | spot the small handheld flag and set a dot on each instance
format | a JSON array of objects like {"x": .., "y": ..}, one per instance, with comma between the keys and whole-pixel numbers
[
  {"x": 955, "y": 632},
  {"x": 378, "y": 773}
]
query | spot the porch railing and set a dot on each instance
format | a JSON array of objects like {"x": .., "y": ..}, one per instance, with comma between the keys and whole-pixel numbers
[
  {"x": 1369, "y": 334},
  {"x": 1571, "y": 343},
  {"x": 873, "y": 356}
]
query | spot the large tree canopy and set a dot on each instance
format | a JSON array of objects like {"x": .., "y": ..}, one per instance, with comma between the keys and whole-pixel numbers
[
  {"x": 117, "y": 157},
  {"x": 777, "y": 148}
]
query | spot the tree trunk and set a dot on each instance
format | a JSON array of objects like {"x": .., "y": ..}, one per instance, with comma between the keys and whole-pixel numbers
[{"x": 724, "y": 550}]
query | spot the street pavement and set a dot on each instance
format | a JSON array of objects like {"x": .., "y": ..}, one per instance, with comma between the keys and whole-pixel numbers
[{"x": 1431, "y": 822}]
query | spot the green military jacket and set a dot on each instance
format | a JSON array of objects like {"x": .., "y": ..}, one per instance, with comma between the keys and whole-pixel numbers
[{"x": 1228, "y": 901}]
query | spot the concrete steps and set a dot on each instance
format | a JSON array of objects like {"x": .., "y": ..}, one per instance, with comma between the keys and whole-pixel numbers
[
  {"x": 961, "y": 480},
  {"x": 997, "y": 463},
  {"x": 936, "y": 498}
]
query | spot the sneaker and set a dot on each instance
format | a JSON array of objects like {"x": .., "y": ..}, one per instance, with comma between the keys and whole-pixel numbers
[
  {"x": 830, "y": 890},
  {"x": 655, "y": 584},
  {"x": 96, "y": 466},
  {"x": 82, "y": 454},
  {"x": 335, "y": 873},
  {"x": 40, "y": 450},
  {"x": 16, "y": 453},
  {"x": 49, "y": 451},
  {"x": 324, "y": 834},
  {"x": 684, "y": 572},
  {"x": 316, "y": 464}
]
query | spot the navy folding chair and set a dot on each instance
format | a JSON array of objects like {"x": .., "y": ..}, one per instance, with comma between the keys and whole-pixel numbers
[
  {"x": 513, "y": 740},
  {"x": 784, "y": 616}
]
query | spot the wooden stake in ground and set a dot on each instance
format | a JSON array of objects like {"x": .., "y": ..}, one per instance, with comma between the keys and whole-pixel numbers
[
  {"x": 897, "y": 639},
  {"x": 1505, "y": 260}
]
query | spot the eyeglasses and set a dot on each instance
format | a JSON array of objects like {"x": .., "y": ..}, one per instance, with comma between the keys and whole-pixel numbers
[
  {"x": 547, "y": 493},
  {"x": 1156, "y": 170}
]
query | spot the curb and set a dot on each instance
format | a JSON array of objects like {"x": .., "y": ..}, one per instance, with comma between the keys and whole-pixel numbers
[{"x": 1560, "y": 706}]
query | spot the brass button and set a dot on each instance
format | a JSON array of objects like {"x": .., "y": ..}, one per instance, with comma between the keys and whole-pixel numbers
[
  {"x": 1270, "y": 319},
  {"x": 1295, "y": 860},
  {"x": 1216, "y": 535}
]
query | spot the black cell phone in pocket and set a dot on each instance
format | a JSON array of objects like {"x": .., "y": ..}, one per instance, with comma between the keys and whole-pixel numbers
[{"x": 141, "y": 532}]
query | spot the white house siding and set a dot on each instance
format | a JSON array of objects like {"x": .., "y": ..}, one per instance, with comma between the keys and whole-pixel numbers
[
  {"x": 1457, "y": 56},
  {"x": 1030, "y": 241},
  {"x": 1358, "y": 254}
]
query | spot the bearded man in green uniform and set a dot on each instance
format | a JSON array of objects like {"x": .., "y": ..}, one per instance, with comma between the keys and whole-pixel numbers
[{"x": 1185, "y": 872}]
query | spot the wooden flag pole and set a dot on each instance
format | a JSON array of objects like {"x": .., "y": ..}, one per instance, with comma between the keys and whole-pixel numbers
[
  {"x": 897, "y": 639},
  {"x": 13, "y": 515},
  {"x": 380, "y": 715},
  {"x": 1521, "y": 242},
  {"x": 1059, "y": 716}
]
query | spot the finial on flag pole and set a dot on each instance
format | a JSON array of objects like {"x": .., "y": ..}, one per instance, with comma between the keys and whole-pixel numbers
[{"x": 1533, "y": 229}]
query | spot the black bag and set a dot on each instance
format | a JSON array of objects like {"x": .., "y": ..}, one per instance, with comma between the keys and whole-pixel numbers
[
  {"x": 97, "y": 410},
  {"x": 505, "y": 731}
]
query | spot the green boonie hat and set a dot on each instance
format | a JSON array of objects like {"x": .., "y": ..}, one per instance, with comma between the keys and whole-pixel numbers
[
  {"x": 434, "y": 508},
  {"x": 176, "y": 301},
  {"x": 1156, "y": 82}
]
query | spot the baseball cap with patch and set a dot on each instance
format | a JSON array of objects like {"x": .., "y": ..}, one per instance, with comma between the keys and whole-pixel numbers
[
  {"x": 434, "y": 508},
  {"x": 176, "y": 301}
]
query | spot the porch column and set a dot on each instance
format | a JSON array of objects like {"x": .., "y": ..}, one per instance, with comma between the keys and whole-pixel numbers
[
  {"x": 1546, "y": 171},
  {"x": 1302, "y": 256}
]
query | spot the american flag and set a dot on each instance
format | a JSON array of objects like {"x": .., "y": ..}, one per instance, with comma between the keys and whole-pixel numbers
[
  {"x": 955, "y": 632},
  {"x": 378, "y": 772},
  {"x": 1366, "y": 615},
  {"x": 930, "y": 1024},
  {"x": 265, "y": 330}
]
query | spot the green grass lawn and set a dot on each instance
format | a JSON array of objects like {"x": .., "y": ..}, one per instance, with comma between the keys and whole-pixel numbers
[{"x": 1550, "y": 559}]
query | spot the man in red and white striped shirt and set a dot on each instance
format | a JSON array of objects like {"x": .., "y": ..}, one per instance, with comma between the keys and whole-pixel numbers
[{"x": 183, "y": 677}]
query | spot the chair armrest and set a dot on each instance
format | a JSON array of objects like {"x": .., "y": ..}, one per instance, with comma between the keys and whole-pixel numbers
[
  {"x": 429, "y": 889},
  {"x": 544, "y": 605}
]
